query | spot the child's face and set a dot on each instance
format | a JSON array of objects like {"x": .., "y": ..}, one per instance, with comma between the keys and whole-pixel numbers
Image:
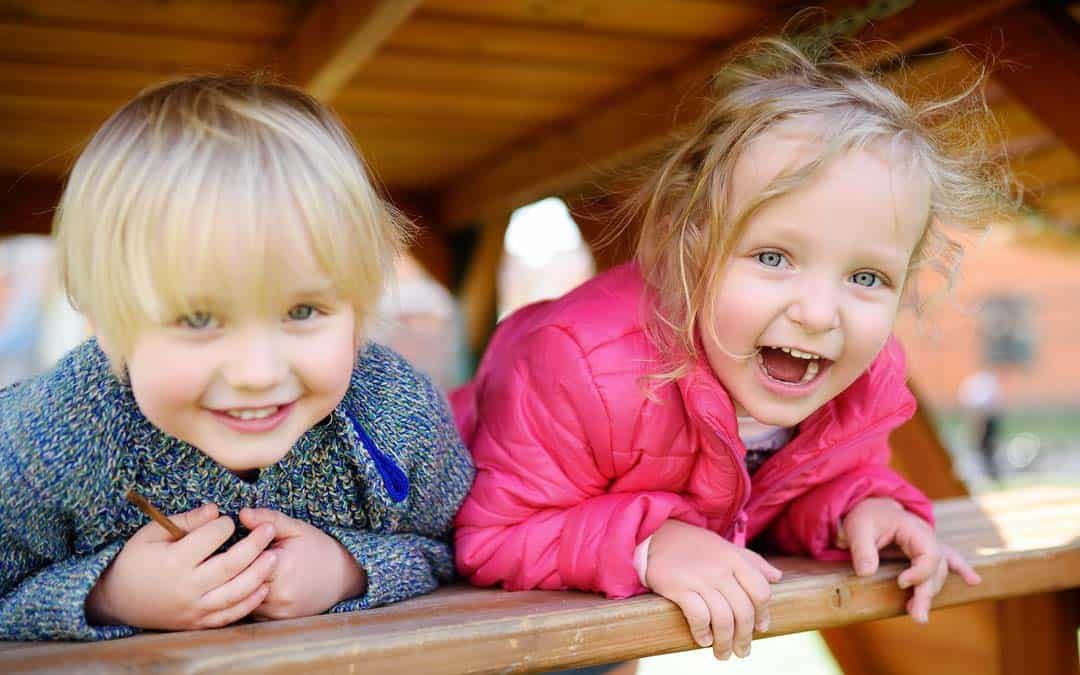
[
  {"x": 819, "y": 271},
  {"x": 243, "y": 383}
]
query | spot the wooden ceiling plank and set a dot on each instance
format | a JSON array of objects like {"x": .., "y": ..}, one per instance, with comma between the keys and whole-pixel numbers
[
  {"x": 687, "y": 19},
  {"x": 460, "y": 74},
  {"x": 69, "y": 81},
  {"x": 1016, "y": 120},
  {"x": 561, "y": 157},
  {"x": 27, "y": 203},
  {"x": 1046, "y": 169},
  {"x": 34, "y": 44},
  {"x": 337, "y": 38},
  {"x": 17, "y": 109},
  {"x": 251, "y": 19},
  {"x": 1040, "y": 50},
  {"x": 437, "y": 35},
  {"x": 421, "y": 104},
  {"x": 1062, "y": 204}
]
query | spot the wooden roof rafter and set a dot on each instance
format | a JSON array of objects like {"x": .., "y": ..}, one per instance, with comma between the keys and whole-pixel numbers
[
  {"x": 1047, "y": 44},
  {"x": 336, "y": 39},
  {"x": 563, "y": 156}
]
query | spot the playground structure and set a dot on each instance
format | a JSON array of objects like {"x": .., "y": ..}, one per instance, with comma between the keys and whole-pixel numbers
[{"x": 468, "y": 109}]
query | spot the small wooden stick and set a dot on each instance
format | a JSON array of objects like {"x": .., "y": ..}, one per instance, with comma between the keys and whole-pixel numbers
[{"x": 158, "y": 517}]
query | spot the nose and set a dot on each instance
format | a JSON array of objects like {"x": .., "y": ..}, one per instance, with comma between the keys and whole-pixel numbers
[
  {"x": 816, "y": 307},
  {"x": 256, "y": 361}
]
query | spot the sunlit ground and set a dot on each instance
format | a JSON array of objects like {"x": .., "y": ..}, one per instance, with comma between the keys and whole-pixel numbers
[{"x": 798, "y": 654}]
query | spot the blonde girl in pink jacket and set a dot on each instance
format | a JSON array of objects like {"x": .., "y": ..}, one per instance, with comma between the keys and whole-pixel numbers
[{"x": 738, "y": 380}]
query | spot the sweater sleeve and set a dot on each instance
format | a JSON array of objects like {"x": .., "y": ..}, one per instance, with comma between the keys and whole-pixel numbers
[
  {"x": 416, "y": 556},
  {"x": 45, "y": 600},
  {"x": 43, "y": 583},
  {"x": 540, "y": 514}
]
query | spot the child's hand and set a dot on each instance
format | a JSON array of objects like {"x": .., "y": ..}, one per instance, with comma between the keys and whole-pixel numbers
[
  {"x": 876, "y": 523},
  {"x": 314, "y": 571},
  {"x": 162, "y": 584},
  {"x": 722, "y": 589}
]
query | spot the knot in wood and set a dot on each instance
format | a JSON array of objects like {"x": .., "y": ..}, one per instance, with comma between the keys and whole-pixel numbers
[{"x": 841, "y": 597}]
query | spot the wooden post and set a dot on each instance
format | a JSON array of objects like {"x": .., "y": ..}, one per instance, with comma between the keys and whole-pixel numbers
[
  {"x": 1035, "y": 634},
  {"x": 1038, "y": 633},
  {"x": 596, "y": 216},
  {"x": 478, "y": 292}
]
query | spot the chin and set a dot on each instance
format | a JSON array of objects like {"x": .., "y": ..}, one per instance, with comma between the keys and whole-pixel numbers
[
  {"x": 780, "y": 417},
  {"x": 250, "y": 461}
]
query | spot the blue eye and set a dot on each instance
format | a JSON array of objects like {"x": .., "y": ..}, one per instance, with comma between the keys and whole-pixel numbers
[
  {"x": 302, "y": 313},
  {"x": 197, "y": 320},
  {"x": 771, "y": 258},
  {"x": 867, "y": 279}
]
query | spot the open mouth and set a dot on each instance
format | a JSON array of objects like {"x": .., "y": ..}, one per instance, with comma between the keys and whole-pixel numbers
[
  {"x": 791, "y": 366},
  {"x": 252, "y": 413},
  {"x": 253, "y": 420}
]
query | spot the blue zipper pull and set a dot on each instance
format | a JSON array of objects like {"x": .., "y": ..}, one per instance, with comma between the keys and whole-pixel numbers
[{"x": 394, "y": 479}]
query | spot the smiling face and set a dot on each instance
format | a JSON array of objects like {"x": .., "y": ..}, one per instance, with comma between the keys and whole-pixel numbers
[
  {"x": 811, "y": 291},
  {"x": 243, "y": 381}
]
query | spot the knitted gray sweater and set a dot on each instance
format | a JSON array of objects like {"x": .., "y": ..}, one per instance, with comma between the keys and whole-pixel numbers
[{"x": 384, "y": 474}]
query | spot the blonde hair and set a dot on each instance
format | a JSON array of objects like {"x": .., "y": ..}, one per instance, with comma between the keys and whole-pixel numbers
[
  {"x": 686, "y": 232},
  {"x": 140, "y": 222}
]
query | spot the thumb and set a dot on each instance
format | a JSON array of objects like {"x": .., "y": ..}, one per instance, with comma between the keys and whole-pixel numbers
[
  {"x": 284, "y": 526},
  {"x": 188, "y": 521},
  {"x": 861, "y": 537}
]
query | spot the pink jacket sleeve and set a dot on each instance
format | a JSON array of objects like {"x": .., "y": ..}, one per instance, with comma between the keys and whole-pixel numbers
[
  {"x": 540, "y": 514},
  {"x": 809, "y": 524}
]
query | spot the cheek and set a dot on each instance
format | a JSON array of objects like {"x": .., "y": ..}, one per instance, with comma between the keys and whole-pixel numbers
[
  {"x": 165, "y": 381},
  {"x": 870, "y": 329},
  {"x": 328, "y": 365},
  {"x": 743, "y": 308}
]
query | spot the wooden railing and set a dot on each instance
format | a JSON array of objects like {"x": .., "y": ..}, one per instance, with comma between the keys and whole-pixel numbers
[{"x": 1022, "y": 543}]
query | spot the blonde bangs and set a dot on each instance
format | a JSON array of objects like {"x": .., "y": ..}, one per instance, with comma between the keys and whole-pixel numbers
[{"x": 204, "y": 191}]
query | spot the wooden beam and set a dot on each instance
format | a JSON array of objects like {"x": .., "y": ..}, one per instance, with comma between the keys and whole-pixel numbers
[
  {"x": 1040, "y": 50},
  {"x": 478, "y": 292},
  {"x": 1061, "y": 204},
  {"x": 1046, "y": 168},
  {"x": 27, "y": 203},
  {"x": 1038, "y": 633},
  {"x": 1027, "y": 542},
  {"x": 920, "y": 457},
  {"x": 430, "y": 247},
  {"x": 596, "y": 216},
  {"x": 336, "y": 39},
  {"x": 625, "y": 128}
]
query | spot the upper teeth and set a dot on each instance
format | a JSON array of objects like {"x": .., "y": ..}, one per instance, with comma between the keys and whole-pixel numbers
[
  {"x": 252, "y": 413},
  {"x": 799, "y": 354}
]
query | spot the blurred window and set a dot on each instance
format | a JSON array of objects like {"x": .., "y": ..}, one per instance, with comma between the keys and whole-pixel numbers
[
  {"x": 544, "y": 256},
  {"x": 1006, "y": 330}
]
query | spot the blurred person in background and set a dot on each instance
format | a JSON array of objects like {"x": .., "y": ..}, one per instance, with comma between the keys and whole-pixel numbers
[{"x": 980, "y": 394}]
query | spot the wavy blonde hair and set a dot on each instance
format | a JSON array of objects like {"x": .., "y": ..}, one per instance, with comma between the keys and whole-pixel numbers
[
  {"x": 196, "y": 172},
  {"x": 686, "y": 232}
]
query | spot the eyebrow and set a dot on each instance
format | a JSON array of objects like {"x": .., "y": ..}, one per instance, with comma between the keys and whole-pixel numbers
[{"x": 314, "y": 290}]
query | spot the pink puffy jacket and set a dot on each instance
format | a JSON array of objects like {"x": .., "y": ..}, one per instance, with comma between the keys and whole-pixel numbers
[{"x": 576, "y": 465}]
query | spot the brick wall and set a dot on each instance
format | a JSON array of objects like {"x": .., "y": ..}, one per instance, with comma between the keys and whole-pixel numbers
[{"x": 943, "y": 346}]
